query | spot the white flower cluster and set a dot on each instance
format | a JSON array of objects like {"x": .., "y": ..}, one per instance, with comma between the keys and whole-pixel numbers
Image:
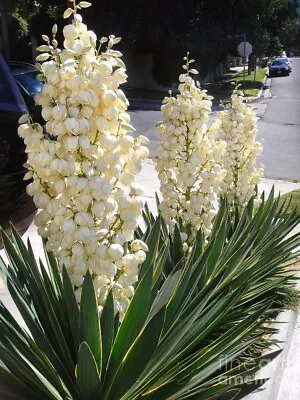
[
  {"x": 84, "y": 162},
  {"x": 189, "y": 158},
  {"x": 239, "y": 130}
]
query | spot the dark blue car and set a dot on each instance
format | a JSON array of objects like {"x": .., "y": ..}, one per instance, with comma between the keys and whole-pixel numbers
[
  {"x": 25, "y": 75},
  {"x": 15, "y": 205}
]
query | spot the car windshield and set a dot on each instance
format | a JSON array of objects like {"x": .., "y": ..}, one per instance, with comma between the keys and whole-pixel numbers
[
  {"x": 6, "y": 93},
  {"x": 29, "y": 82},
  {"x": 278, "y": 62}
]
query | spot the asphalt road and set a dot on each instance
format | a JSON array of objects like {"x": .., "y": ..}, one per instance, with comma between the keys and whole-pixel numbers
[{"x": 279, "y": 127}]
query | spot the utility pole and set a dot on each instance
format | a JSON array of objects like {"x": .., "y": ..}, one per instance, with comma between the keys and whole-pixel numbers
[
  {"x": 244, "y": 60},
  {"x": 4, "y": 29},
  {"x": 257, "y": 46}
]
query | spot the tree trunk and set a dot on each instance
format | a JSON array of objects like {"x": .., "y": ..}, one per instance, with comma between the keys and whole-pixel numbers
[
  {"x": 4, "y": 29},
  {"x": 251, "y": 63}
]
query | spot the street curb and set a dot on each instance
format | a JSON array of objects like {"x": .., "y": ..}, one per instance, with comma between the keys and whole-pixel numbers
[
  {"x": 285, "y": 323},
  {"x": 263, "y": 85},
  {"x": 262, "y": 89}
]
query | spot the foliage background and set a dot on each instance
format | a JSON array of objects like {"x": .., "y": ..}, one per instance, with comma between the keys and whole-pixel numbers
[{"x": 209, "y": 29}]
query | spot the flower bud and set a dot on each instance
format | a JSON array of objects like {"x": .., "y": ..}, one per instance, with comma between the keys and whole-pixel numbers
[
  {"x": 71, "y": 143},
  {"x": 115, "y": 252},
  {"x": 105, "y": 68},
  {"x": 72, "y": 125},
  {"x": 98, "y": 209},
  {"x": 120, "y": 76},
  {"x": 70, "y": 32},
  {"x": 77, "y": 249},
  {"x": 138, "y": 245},
  {"x": 69, "y": 226},
  {"x": 109, "y": 97}
]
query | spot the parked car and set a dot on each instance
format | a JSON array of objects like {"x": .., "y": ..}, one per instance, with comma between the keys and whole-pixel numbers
[
  {"x": 287, "y": 61},
  {"x": 279, "y": 67},
  {"x": 15, "y": 204},
  {"x": 25, "y": 76}
]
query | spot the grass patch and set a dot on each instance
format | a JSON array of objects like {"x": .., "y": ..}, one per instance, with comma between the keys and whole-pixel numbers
[
  {"x": 294, "y": 196},
  {"x": 222, "y": 90},
  {"x": 292, "y": 301},
  {"x": 252, "y": 87}
]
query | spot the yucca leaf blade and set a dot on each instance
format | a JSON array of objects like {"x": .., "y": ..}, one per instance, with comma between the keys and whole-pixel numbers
[
  {"x": 11, "y": 388},
  {"x": 107, "y": 321},
  {"x": 152, "y": 242},
  {"x": 137, "y": 357},
  {"x": 130, "y": 327},
  {"x": 89, "y": 323},
  {"x": 71, "y": 307},
  {"x": 87, "y": 376}
]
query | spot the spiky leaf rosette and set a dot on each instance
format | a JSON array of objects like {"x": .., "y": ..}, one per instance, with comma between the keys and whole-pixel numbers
[{"x": 181, "y": 335}]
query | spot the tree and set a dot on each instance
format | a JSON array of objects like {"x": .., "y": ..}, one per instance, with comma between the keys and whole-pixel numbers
[{"x": 167, "y": 29}]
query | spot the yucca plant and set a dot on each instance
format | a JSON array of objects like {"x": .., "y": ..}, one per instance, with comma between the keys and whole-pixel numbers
[{"x": 184, "y": 335}]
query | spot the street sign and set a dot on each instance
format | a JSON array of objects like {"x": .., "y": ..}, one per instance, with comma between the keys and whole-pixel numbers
[
  {"x": 236, "y": 36},
  {"x": 244, "y": 49}
]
